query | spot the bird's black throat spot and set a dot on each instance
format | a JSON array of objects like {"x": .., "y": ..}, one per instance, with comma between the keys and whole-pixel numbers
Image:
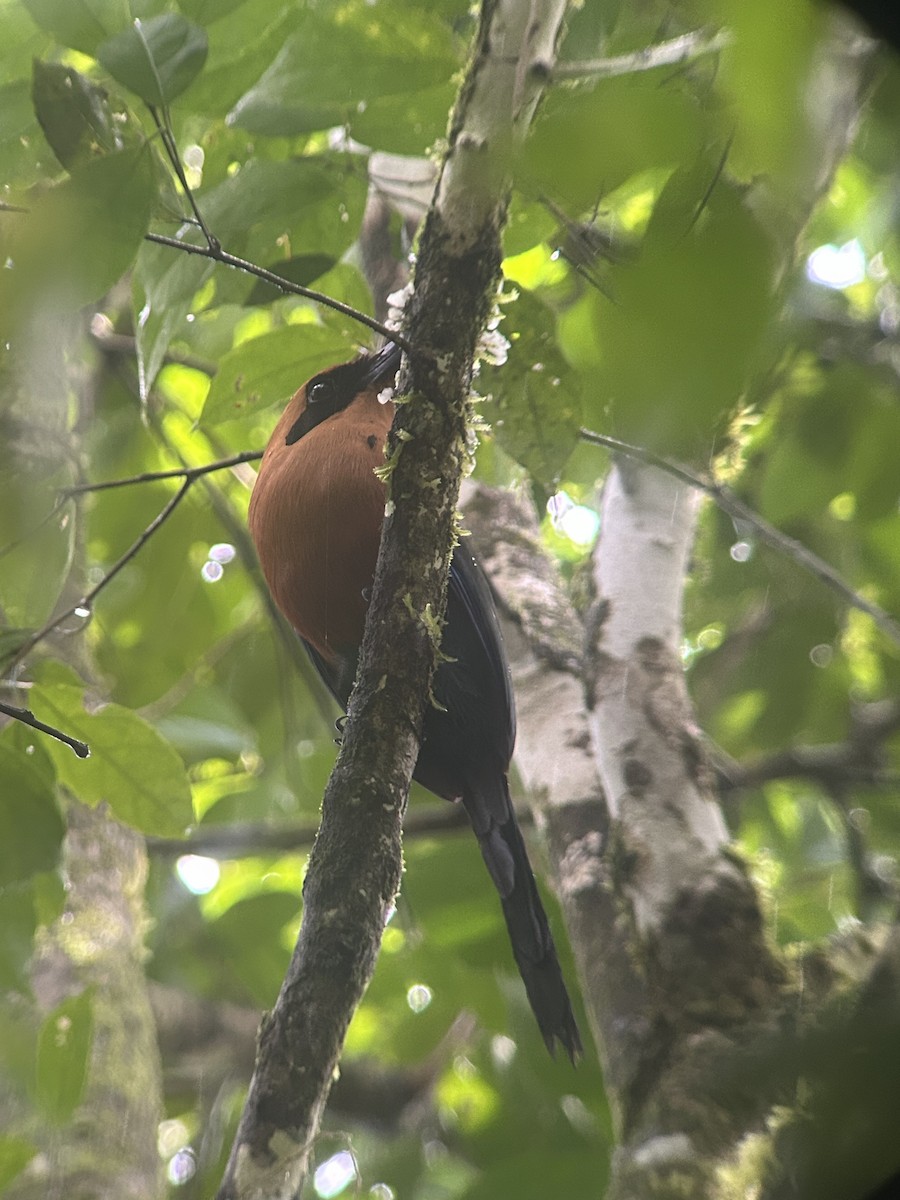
[{"x": 371, "y": 441}]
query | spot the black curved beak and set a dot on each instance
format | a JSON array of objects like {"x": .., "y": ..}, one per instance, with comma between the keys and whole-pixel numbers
[{"x": 382, "y": 366}]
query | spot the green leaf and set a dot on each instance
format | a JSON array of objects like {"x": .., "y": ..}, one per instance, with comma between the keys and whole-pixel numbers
[
  {"x": 585, "y": 144},
  {"x": 242, "y": 44},
  {"x": 24, "y": 907},
  {"x": 131, "y": 768},
  {"x": 276, "y": 194},
  {"x": 263, "y": 204},
  {"x": 15, "y": 1154},
  {"x": 81, "y": 24},
  {"x": 18, "y": 922},
  {"x": 21, "y": 43},
  {"x": 267, "y": 370},
  {"x": 677, "y": 347},
  {"x": 208, "y": 11},
  {"x": 156, "y": 59},
  {"x": 31, "y": 826},
  {"x": 535, "y": 409},
  {"x": 796, "y": 482},
  {"x": 170, "y": 280},
  {"x": 304, "y": 270},
  {"x": 84, "y": 234},
  {"x": 64, "y": 1046},
  {"x": 17, "y": 126},
  {"x": 20, "y": 740},
  {"x": 329, "y": 67},
  {"x": 73, "y": 112},
  {"x": 247, "y": 937},
  {"x": 772, "y": 49},
  {"x": 408, "y": 123},
  {"x": 11, "y": 639},
  {"x": 37, "y": 552}
]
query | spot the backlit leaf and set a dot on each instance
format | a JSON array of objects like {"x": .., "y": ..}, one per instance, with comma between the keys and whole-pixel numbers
[
  {"x": 64, "y": 1047},
  {"x": 31, "y": 826},
  {"x": 157, "y": 58},
  {"x": 131, "y": 768}
]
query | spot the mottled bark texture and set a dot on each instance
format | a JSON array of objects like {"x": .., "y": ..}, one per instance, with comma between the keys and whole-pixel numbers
[
  {"x": 108, "y": 1147},
  {"x": 732, "y": 1070}
]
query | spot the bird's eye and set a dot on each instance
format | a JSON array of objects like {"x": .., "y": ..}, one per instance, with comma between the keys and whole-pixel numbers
[{"x": 318, "y": 392}]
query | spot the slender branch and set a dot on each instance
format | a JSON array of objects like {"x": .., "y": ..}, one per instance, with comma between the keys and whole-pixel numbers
[
  {"x": 84, "y": 604},
  {"x": 685, "y": 48},
  {"x": 457, "y": 274},
  {"x": 27, "y": 717},
  {"x": 640, "y": 454},
  {"x": 251, "y": 838},
  {"x": 711, "y": 186},
  {"x": 189, "y": 474},
  {"x": 164, "y": 125},
  {"x": 115, "y": 344},
  {"x": 79, "y": 489},
  {"x": 875, "y": 891},
  {"x": 217, "y": 254},
  {"x": 832, "y": 765},
  {"x": 768, "y": 533},
  {"x": 36, "y": 528}
]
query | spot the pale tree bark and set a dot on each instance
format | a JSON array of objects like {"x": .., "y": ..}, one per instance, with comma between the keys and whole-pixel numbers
[
  {"x": 709, "y": 1079},
  {"x": 704, "y": 1029},
  {"x": 545, "y": 641},
  {"x": 692, "y": 916},
  {"x": 732, "y": 1071}
]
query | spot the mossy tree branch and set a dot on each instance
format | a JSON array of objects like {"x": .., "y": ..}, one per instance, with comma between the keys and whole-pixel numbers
[{"x": 354, "y": 869}]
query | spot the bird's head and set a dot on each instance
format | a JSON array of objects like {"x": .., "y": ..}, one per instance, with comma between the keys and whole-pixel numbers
[{"x": 333, "y": 390}]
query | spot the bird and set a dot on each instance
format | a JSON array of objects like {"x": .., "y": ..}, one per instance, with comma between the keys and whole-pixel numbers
[{"x": 315, "y": 516}]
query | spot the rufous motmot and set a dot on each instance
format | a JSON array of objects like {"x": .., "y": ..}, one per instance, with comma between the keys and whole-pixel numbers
[{"x": 315, "y": 516}]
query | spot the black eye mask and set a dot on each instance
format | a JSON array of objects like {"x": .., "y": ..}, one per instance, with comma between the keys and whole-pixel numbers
[{"x": 334, "y": 390}]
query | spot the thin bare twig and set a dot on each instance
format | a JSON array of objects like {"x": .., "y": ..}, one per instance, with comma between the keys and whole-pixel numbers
[
  {"x": 83, "y": 606},
  {"x": 711, "y": 187},
  {"x": 214, "y": 250},
  {"x": 36, "y": 528},
  {"x": 164, "y": 126},
  {"x": 187, "y": 473},
  {"x": 27, "y": 717},
  {"x": 768, "y": 533},
  {"x": 252, "y": 838},
  {"x": 876, "y": 888},
  {"x": 217, "y": 254},
  {"x": 671, "y": 53},
  {"x": 857, "y": 759},
  {"x": 79, "y": 489},
  {"x": 830, "y": 765}
]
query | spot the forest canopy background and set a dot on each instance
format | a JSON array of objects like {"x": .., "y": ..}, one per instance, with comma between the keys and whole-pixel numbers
[{"x": 681, "y": 273}]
